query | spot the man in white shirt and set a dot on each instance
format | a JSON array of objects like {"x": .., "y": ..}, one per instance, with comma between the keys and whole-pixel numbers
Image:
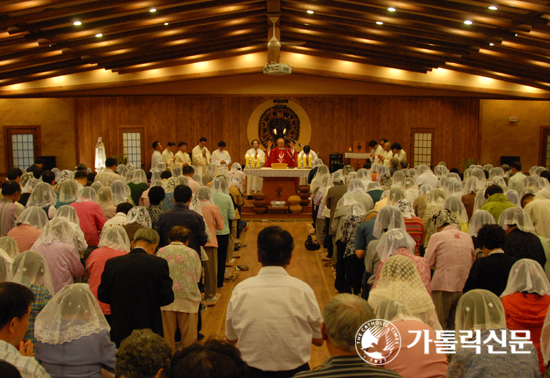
[
  {"x": 188, "y": 172},
  {"x": 221, "y": 158},
  {"x": 516, "y": 179},
  {"x": 168, "y": 157},
  {"x": 273, "y": 317},
  {"x": 201, "y": 156},
  {"x": 254, "y": 184},
  {"x": 182, "y": 157},
  {"x": 386, "y": 156},
  {"x": 120, "y": 217},
  {"x": 108, "y": 175},
  {"x": 157, "y": 155},
  {"x": 15, "y": 307},
  {"x": 307, "y": 152},
  {"x": 398, "y": 152}
]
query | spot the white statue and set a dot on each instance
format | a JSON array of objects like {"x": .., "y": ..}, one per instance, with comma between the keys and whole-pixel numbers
[{"x": 100, "y": 155}]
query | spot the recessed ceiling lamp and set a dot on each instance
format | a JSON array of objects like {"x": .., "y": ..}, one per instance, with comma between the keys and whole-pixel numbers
[
  {"x": 166, "y": 23},
  {"x": 391, "y": 9},
  {"x": 379, "y": 23},
  {"x": 468, "y": 22},
  {"x": 77, "y": 23},
  {"x": 492, "y": 7},
  {"x": 98, "y": 35},
  {"x": 310, "y": 11},
  {"x": 515, "y": 35},
  {"x": 491, "y": 44},
  {"x": 152, "y": 10}
]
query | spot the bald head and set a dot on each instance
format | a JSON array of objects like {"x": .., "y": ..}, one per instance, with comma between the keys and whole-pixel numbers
[{"x": 280, "y": 142}]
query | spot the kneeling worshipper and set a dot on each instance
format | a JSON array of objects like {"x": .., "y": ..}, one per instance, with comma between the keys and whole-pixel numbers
[
  {"x": 56, "y": 245},
  {"x": 398, "y": 242},
  {"x": 526, "y": 300},
  {"x": 73, "y": 335},
  {"x": 413, "y": 362},
  {"x": 114, "y": 242},
  {"x": 483, "y": 349},
  {"x": 44, "y": 197},
  {"x": 281, "y": 154},
  {"x": 68, "y": 212},
  {"x": 399, "y": 280},
  {"x": 90, "y": 214},
  {"x": 30, "y": 269},
  {"x": 28, "y": 227}
]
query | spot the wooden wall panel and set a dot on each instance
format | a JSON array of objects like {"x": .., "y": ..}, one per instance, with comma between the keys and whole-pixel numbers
[{"x": 336, "y": 122}]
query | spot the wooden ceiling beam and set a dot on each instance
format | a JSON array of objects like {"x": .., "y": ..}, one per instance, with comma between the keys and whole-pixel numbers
[
  {"x": 532, "y": 73},
  {"x": 12, "y": 6},
  {"x": 47, "y": 75},
  {"x": 42, "y": 68}
]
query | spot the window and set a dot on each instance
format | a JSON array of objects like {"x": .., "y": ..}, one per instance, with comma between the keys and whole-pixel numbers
[
  {"x": 131, "y": 145},
  {"x": 22, "y": 145},
  {"x": 422, "y": 140}
]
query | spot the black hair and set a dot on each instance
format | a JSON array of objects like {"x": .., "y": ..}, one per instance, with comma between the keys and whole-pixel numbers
[
  {"x": 384, "y": 140},
  {"x": 81, "y": 167},
  {"x": 182, "y": 144},
  {"x": 516, "y": 165},
  {"x": 182, "y": 194},
  {"x": 275, "y": 246},
  {"x": 525, "y": 198},
  {"x": 396, "y": 146},
  {"x": 91, "y": 176},
  {"x": 9, "y": 188},
  {"x": 48, "y": 177},
  {"x": 454, "y": 170},
  {"x": 170, "y": 144},
  {"x": 372, "y": 143},
  {"x": 15, "y": 300},
  {"x": 124, "y": 207},
  {"x": 545, "y": 174},
  {"x": 166, "y": 174},
  {"x": 179, "y": 233},
  {"x": 14, "y": 173},
  {"x": 187, "y": 170},
  {"x": 7, "y": 370},
  {"x": 203, "y": 139},
  {"x": 212, "y": 359},
  {"x": 80, "y": 174},
  {"x": 491, "y": 236},
  {"x": 221, "y": 144},
  {"x": 254, "y": 140},
  {"x": 367, "y": 165},
  {"x": 155, "y": 144},
  {"x": 307, "y": 148},
  {"x": 156, "y": 195},
  {"x": 110, "y": 162},
  {"x": 149, "y": 174},
  {"x": 38, "y": 161},
  {"x": 493, "y": 189}
]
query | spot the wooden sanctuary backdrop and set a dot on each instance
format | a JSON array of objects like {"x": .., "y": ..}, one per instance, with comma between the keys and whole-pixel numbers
[{"x": 336, "y": 121}]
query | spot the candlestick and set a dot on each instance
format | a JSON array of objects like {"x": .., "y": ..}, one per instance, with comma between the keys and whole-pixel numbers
[
  {"x": 247, "y": 161},
  {"x": 310, "y": 158}
]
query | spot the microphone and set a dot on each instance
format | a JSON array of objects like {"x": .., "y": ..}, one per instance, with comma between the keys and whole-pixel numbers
[{"x": 295, "y": 141}]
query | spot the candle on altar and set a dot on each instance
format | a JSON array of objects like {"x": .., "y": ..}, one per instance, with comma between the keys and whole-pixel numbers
[
  {"x": 309, "y": 163},
  {"x": 303, "y": 161},
  {"x": 258, "y": 162},
  {"x": 247, "y": 160}
]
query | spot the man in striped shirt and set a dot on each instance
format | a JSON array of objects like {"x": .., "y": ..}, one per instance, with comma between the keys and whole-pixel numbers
[
  {"x": 10, "y": 209},
  {"x": 342, "y": 317}
]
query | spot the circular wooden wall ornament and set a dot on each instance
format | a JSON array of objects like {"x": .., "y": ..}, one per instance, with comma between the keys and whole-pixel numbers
[{"x": 285, "y": 116}]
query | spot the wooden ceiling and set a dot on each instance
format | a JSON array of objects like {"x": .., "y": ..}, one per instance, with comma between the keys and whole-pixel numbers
[{"x": 511, "y": 42}]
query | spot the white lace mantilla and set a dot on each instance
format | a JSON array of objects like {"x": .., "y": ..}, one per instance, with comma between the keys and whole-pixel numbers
[
  {"x": 356, "y": 155},
  {"x": 54, "y": 336},
  {"x": 270, "y": 172}
]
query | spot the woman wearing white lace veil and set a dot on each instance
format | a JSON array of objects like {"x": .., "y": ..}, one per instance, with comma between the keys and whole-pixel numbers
[
  {"x": 479, "y": 219},
  {"x": 122, "y": 170},
  {"x": 68, "y": 192},
  {"x": 208, "y": 177},
  {"x": 5, "y": 266},
  {"x": 155, "y": 174},
  {"x": 399, "y": 280},
  {"x": 364, "y": 176},
  {"x": 454, "y": 205},
  {"x": 28, "y": 227},
  {"x": 434, "y": 202},
  {"x": 480, "y": 175},
  {"x": 481, "y": 311},
  {"x": 398, "y": 178},
  {"x": 500, "y": 182},
  {"x": 137, "y": 185},
  {"x": 177, "y": 171},
  {"x": 56, "y": 244},
  {"x": 394, "y": 195},
  {"x": 356, "y": 190},
  {"x": 322, "y": 171},
  {"x": 236, "y": 171},
  {"x": 526, "y": 300},
  {"x": 73, "y": 335},
  {"x": 105, "y": 201},
  {"x": 413, "y": 361},
  {"x": 441, "y": 171},
  {"x": 138, "y": 217},
  {"x": 513, "y": 196},
  {"x": 27, "y": 187},
  {"x": 454, "y": 188},
  {"x": 57, "y": 173},
  {"x": 323, "y": 212},
  {"x": 411, "y": 189},
  {"x": 496, "y": 172},
  {"x": 90, "y": 215},
  {"x": 79, "y": 241},
  {"x": 350, "y": 268},
  {"x": 114, "y": 242},
  {"x": 121, "y": 192},
  {"x": 31, "y": 270},
  {"x": 168, "y": 202},
  {"x": 398, "y": 242},
  {"x": 381, "y": 170},
  {"x": 96, "y": 186},
  {"x": 9, "y": 245},
  {"x": 44, "y": 197}
]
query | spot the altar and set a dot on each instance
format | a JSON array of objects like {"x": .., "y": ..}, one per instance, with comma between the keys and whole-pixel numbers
[{"x": 279, "y": 184}]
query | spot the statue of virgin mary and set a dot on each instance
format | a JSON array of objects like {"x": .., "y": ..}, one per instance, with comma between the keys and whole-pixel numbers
[{"x": 99, "y": 155}]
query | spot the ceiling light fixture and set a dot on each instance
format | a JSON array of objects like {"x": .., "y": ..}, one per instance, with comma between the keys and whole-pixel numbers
[
  {"x": 391, "y": 9},
  {"x": 99, "y": 35},
  {"x": 468, "y": 22},
  {"x": 152, "y": 10},
  {"x": 379, "y": 23},
  {"x": 491, "y": 44},
  {"x": 492, "y": 7},
  {"x": 310, "y": 11},
  {"x": 77, "y": 23},
  {"x": 166, "y": 23},
  {"x": 515, "y": 35}
]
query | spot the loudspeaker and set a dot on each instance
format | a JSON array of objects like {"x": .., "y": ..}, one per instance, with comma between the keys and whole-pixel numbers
[
  {"x": 509, "y": 159},
  {"x": 49, "y": 162},
  {"x": 336, "y": 162}
]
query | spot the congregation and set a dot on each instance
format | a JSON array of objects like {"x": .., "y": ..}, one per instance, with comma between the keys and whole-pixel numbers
[{"x": 106, "y": 273}]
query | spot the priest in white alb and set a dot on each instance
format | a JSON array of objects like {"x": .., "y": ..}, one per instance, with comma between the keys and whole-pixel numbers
[
  {"x": 254, "y": 184},
  {"x": 201, "y": 156},
  {"x": 182, "y": 157},
  {"x": 221, "y": 158},
  {"x": 157, "y": 155},
  {"x": 168, "y": 157}
]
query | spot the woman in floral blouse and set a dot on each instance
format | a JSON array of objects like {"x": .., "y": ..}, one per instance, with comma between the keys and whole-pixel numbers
[{"x": 185, "y": 271}]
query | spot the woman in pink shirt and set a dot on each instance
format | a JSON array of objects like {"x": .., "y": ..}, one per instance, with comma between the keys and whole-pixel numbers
[
  {"x": 28, "y": 227},
  {"x": 114, "y": 242},
  {"x": 203, "y": 203},
  {"x": 56, "y": 245},
  {"x": 90, "y": 215}
]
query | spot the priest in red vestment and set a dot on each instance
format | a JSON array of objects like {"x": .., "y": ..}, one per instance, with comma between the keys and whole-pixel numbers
[{"x": 281, "y": 154}]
